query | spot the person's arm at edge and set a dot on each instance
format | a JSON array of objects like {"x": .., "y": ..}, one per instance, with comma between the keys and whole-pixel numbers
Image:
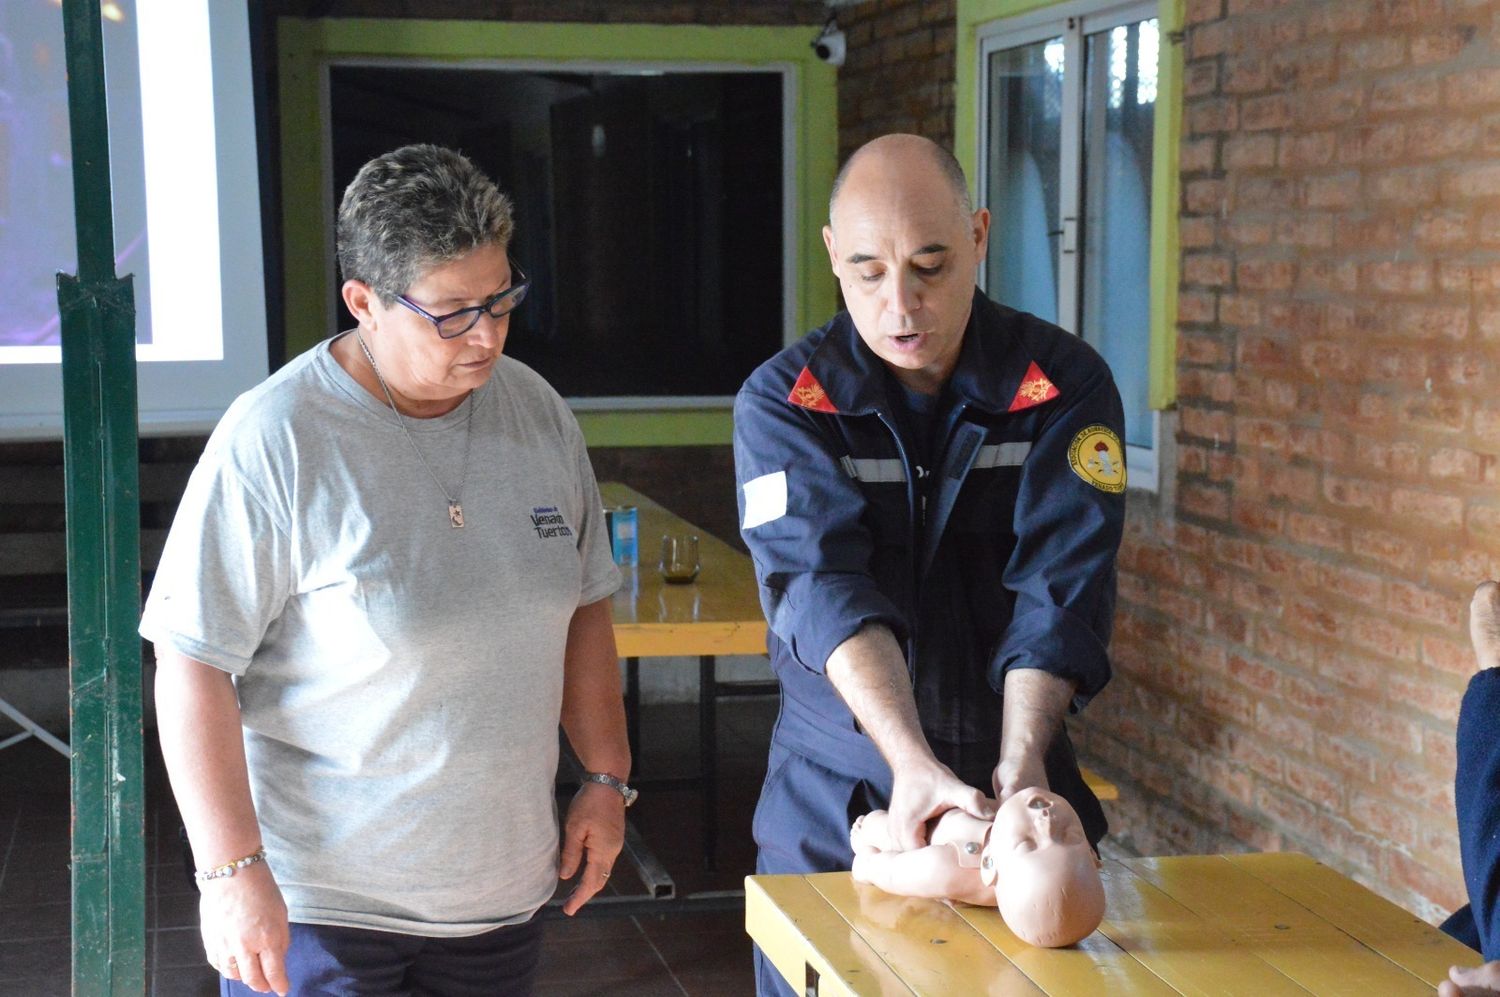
[
  {"x": 869, "y": 672},
  {"x": 1035, "y": 703},
  {"x": 593, "y": 717},
  {"x": 198, "y": 721}
]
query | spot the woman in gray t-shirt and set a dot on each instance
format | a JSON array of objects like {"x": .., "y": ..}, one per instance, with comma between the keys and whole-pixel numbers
[{"x": 386, "y": 586}]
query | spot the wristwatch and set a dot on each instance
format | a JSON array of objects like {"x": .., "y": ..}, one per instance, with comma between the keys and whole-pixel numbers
[{"x": 618, "y": 786}]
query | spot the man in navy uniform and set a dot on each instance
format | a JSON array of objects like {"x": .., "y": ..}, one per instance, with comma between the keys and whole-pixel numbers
[{"x": 932, "y": 488}]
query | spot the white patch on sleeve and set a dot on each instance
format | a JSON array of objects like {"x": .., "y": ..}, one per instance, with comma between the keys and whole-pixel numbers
[{"x": 765, "y": 499}]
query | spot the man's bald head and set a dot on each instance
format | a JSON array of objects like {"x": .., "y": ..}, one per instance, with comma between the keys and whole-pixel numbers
[{"x": 901, "y": 154}]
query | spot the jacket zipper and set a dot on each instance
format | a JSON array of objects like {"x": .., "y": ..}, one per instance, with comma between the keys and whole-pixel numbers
[{"x": 914, "y": 546}]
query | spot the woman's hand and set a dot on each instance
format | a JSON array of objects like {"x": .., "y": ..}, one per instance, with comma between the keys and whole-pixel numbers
[
  {"x": 593, "y": 835},
  {"x": 245, "y": 929},
  {"x": 1477, "y": 981}
]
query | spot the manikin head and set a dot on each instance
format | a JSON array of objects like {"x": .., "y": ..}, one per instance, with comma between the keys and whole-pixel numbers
[{"x": 1045, "y": 873}]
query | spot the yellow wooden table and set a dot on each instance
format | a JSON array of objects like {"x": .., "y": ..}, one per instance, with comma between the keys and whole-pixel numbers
[
  {"x": 717, "y": 613},
  {"x": 1210, "y": 925}
]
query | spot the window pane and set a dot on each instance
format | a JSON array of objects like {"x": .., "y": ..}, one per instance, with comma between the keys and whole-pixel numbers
[
  {"x": 648, "y": 210},
  {"x": 1025, "y": 132},
  {"x": 1119, "y": 108}
]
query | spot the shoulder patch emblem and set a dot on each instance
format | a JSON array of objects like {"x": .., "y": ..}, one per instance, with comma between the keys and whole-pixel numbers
[
  {"x": 809, "y": 394},
  {"x": 1097, "y": 457},
  {"x": 1035, "y": 388}
]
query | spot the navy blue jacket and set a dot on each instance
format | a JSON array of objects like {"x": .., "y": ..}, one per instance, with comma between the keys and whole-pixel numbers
[
  {"x": 1000, "y": 555},
  {"x": 1477, "y": 793}
]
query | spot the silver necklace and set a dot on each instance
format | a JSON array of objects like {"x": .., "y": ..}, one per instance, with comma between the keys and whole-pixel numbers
[{"x": 455, "y": 507}]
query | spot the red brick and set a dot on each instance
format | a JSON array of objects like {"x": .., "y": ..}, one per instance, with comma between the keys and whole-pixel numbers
[
  {"x": 1435, "y": 699},
  {"x": 1239, "y": 310},
  {"x": 1337, "y": 191},
  {"x": 1199, "y": 11},
  {"x": 1472, "y": 182},
  {"x": 1430, "y": 508},
  {"x": 1412, "y": 186},
  {"x": 1315, "y": 784},
  {"x": 1317, "y": 531},
  {"x": 1381, "y": 818},
  {"x": 1305, "y": 230},
  {"x": 1436, "y": 412},
  {"x": 1346, "y": 755},
  {"x": 1208, "y": 39},
  {"x": 1387, "y": 548},
  {"x": 1441, "y": 44},
  {"x": 1438, "y": 228},
  {"x": 1199, "y": 156},
  {"x": 1208, "y": 117},
  {"x": 1455, "y": 463},
  {"x": 1265, "y": 275},
  {"x": 1353, "y": 493},
  {"x": 1372, "y": 53},
  {"x": 1450, "y": 322},
  {"x": 1330, "y": 106},
  {"x": 1197, "y": 307},
  {"x": 1248, "y": 231},
  {"x": 1302, "y": 151},
  {"x": 1441, "y": 609},
  {"x": 1263, "y": 113},
  {"x": 1441, "y": 136},
  {"x": 1246, "y": 74},
  {"x": 1205, "y": 269},
  {"x": 1474, "y": 86}
]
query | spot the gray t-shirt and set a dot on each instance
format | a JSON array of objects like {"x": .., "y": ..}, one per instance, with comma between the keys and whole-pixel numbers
[{"x": 400, "y": 680}]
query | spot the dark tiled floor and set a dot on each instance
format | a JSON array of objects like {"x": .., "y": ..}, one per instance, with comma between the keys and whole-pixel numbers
[{"x": 686, "y": 953}]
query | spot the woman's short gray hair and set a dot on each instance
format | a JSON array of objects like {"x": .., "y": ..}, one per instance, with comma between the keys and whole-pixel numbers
[{"x": 414, "y": 209}]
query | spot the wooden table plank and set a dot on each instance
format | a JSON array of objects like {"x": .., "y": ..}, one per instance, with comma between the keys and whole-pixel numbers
[
  {"x": 717, "y": 614},
  {"x": 1397, "y": 934},
  {"x": 927, "y": 944},
  {"x": 1183, "y": 949},
  {"x": 1278, "y": 930},
  {"x": 1095, "y": 965},
  {"x": 796, "y": 927}
]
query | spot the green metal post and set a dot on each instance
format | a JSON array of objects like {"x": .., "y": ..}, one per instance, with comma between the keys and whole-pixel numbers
[{"x": 100, "y": 449}]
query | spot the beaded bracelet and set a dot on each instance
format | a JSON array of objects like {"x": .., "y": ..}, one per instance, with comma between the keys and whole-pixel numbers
[{"x": 230, "y": 868}]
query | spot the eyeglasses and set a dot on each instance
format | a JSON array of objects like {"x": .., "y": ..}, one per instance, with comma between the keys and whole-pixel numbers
[{"x": 457, "y": 323}]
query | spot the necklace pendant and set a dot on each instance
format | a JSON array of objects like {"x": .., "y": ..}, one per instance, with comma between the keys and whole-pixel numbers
[{"x": 455, "y": 515}]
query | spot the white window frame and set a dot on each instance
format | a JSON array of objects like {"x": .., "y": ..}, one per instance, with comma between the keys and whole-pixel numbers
[
  {"x": 790, "y": 193},
  {"x": 1072, "y": 22}
]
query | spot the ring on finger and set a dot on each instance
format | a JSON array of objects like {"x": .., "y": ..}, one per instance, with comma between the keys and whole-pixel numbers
[{"x": 606, "y": 873}]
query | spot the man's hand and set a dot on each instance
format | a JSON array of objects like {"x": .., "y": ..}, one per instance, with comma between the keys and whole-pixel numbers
[
  {"x": 593, "y": 835},
  {"x": 1035, "y": 704},
  {"x": 1479, "y": 981},
  {"x": 1016, "y": 773},
  {"x": 925, "y": 790},
  {"x": 245, "y": 929}
]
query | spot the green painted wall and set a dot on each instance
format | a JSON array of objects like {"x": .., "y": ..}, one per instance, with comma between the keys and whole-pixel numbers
[
  {"x": 1165, "y": 184},
  {"x": 306, "y": 46}
]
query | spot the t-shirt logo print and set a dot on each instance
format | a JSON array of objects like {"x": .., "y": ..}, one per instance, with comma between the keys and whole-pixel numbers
[{"x": 549, "y": 522}]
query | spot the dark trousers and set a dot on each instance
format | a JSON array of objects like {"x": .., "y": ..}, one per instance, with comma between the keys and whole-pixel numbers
[{"x": 326, "y": 961}]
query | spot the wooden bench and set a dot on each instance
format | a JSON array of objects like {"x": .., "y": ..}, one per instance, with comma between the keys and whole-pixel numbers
[
  {"x": 1209, "y": 924},
  {"x": 1102, "y": 787}
]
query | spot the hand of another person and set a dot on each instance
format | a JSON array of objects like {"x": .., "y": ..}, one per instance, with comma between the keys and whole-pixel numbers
[
  {"x": 923, "y": 791},
  {"x": 1476, "y": 981},
  {"x": 245, "y": 931},
  {"x": 593, "y": 835},
  {"x": 1015, "y": 774}
]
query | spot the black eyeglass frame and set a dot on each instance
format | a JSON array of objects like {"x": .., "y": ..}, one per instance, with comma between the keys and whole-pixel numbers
[{"x": 511, "y": 297}]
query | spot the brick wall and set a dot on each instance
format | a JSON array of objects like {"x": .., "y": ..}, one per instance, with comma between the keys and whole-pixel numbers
[
  {"x": 1291, "y": 647},
  {"x": 898, "y": 75}
]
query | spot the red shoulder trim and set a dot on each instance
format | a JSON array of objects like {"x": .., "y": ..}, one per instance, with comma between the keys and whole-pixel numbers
[
  {"x": 1035, "y": 388},
  {"x": 809, "y": 394}
]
